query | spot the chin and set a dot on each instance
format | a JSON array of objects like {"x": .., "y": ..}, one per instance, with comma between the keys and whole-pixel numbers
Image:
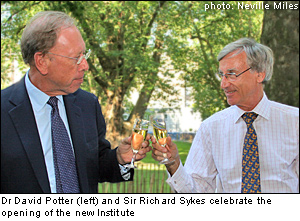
[
  {"x": 231, "y": 102},
  {"x": 75, "y": 86}
]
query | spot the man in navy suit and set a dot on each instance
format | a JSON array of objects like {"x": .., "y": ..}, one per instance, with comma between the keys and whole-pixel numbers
[{"x": 55, "y": 51}]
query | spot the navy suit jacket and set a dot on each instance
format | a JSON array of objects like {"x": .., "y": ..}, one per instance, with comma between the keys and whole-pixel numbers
[{"x": 23, "y": 168}]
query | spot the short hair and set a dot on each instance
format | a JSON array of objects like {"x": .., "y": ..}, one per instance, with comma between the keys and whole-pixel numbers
[
  {"x": 259, "y": 56},
  {"x": 40, "y": 34}
]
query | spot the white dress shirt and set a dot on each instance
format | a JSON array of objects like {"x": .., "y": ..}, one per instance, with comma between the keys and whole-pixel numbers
[{"x": 214, "y": 163}]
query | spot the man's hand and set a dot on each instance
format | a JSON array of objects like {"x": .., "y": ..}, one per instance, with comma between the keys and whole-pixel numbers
[
  {"x": 124, "y": 151},
  {"x": 170, "y": 151}
]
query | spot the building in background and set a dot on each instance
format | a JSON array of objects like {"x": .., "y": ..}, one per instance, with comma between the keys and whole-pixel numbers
[{"x": 182, "y": 122}]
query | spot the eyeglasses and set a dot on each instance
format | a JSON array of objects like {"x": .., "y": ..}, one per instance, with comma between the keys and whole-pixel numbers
[
  {"x": 231, "y": 76},
  {"x": 86, "y": 56}
]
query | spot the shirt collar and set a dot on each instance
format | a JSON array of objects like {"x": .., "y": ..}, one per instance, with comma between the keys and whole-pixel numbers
[
  {"x": 262, "y": 109},
  {"x": 38, "y": 98}
]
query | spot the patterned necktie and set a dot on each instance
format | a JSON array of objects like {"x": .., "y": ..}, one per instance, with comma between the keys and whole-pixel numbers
[
  {"x": 63, "y": 156},
  {"x": 251, "y": 168}
]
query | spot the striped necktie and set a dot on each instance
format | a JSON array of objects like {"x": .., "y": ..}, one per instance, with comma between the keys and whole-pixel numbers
[
  {"x": 63, "y": 156},
  {"x": 250, "y": 168}
]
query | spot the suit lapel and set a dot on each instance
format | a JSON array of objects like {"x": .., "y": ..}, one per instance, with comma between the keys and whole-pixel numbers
[
  {"x": 78, "y": 139},
  {"x": 24, "y": 121}
]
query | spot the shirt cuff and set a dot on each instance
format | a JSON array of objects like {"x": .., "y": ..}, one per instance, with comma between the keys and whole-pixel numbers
[
  {"x": 178, "y": 180},
  {"x": 125, "y": 171}
]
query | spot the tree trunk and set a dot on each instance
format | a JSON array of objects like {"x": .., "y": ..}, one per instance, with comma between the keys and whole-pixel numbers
[
  {"x": 148, "y": 88},
  {"x": 281, "y": 33},
  {"x": 142, "y": 102},
  {"x": 114, "y": 120}
]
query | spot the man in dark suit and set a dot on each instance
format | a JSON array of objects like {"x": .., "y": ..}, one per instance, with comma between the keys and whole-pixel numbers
[{"x": 55, "y": 51}]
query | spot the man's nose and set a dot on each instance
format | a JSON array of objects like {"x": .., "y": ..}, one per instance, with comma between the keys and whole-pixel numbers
[
  {"x": 84, "y": 65},
  {"x": 224, "y": 82}
]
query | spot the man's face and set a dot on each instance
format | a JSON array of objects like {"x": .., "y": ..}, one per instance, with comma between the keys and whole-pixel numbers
[
  {"x": 64, "y": 75},
  {"x": 246, "y": 91}
]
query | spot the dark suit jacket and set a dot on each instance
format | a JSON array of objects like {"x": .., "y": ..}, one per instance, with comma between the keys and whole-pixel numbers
[{"x": 23, "y": 169}]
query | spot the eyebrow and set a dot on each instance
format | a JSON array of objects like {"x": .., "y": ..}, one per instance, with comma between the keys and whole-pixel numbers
[{"x": 229, "y": 70}]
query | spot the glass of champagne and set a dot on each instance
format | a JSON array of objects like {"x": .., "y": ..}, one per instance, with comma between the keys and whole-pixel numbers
[
  {"x": 160, "y": 133},
  {"x": 139, "y": 133}
]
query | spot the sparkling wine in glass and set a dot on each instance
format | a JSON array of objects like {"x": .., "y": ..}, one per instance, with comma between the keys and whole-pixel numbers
[
  {"x": 139, "y": 133},
  {"x": 160, "y": 133}
]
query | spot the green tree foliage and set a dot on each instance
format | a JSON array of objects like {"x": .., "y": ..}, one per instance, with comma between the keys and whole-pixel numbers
[
  {"x": 196, "y": 38},
  {"x": 131, "y": 41}
]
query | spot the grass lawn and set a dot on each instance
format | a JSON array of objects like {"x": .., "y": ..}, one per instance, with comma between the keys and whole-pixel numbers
[{"x": 183, "y": 149}]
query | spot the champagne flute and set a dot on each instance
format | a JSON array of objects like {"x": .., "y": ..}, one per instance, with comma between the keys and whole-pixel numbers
[
  {"x": 139, "y": 133},
  {"x": 160, "y": 133}
]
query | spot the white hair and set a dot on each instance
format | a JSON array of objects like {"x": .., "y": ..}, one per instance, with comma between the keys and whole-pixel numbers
[{"x": 259, "y": 56}]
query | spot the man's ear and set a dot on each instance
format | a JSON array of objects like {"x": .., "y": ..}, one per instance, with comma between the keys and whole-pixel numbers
[
  {"x": 41, "y": 63},
  {"x": 260, "y": 77}
]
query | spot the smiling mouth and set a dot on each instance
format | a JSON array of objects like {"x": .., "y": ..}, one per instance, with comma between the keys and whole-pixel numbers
[
  {"x": 229, "y": 92},
  {"x": 79, "y": 79}
]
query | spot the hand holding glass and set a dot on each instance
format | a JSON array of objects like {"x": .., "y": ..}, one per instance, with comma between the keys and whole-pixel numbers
[
  {"x": 139, "y": 133},
  {"x": 160, "y": 133}
]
